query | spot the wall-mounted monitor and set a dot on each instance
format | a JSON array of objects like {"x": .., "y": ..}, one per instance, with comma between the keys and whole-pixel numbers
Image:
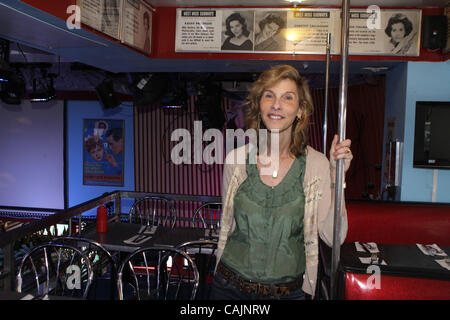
[{"x": 432, "y": 135}]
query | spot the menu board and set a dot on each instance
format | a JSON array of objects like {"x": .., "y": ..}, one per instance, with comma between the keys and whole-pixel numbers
[{"x": 396, "y": 32}]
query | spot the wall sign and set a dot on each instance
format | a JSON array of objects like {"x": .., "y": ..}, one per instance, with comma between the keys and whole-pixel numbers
[{"x": 103, "y": 152}]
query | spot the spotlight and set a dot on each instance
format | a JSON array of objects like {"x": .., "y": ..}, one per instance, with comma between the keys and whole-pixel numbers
[
  {"x": 107, "y": 95},
  {"x": 13, "y": 90},
  {"x": 176, "y": 97},
  {"x": 43, "y": 89},
  {"x": 147, "y": 89},
  {"x": 208, "y": 106},
  {"x": 5, "y": 71}
]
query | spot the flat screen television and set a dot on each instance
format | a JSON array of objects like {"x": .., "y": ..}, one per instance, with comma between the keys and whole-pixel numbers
[{"x": 432, "y": 135}]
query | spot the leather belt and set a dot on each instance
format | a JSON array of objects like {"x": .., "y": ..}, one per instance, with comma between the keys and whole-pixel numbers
[{"x": 253, "y": 287}]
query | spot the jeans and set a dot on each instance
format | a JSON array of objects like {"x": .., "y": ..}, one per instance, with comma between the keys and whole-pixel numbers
[{"x": 223, "y": 289}]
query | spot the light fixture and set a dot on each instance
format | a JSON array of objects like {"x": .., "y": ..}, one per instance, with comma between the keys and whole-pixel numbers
[
  {"x": 14, "y": 89},
  {"x": 44, "y": 91},
  {"x": 107, "y": 95},
  {"x": 375, "y": 69},
  {"x": 295, "y": 2}
]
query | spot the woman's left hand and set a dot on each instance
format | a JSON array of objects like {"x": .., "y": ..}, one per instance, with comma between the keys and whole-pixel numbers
[{"x": 340, "y": 151}]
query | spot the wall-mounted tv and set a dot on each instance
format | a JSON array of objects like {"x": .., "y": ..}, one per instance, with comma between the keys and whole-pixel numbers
[{"x": 432, "y": 135}]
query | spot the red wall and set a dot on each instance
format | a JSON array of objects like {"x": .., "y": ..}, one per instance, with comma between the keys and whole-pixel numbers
[{"x": 163, "y": 37}]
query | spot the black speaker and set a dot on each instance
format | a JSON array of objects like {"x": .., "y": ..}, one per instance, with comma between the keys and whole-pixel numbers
[
  {"x": 107, "y": 95},
  {"x": 434, "y": 32}
]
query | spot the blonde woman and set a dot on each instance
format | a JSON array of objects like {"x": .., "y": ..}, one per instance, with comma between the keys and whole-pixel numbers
[{"x": 271, "y": 223}]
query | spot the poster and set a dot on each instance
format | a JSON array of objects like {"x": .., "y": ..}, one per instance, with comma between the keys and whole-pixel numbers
[
  {"x": 398, "y": 33},
  {"x": 296, "y": 31},
  {"x": 103, "y": 152},
  {"x": 102, "y": 15},
  {"x": 137, "y": 25}
]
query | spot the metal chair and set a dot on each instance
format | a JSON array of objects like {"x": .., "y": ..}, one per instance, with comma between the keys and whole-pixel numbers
[
  {"x": 208, "y": 214},
  {"x": 158, "y": 273},
  {"x": 103, "y": 264},
  {"x": 148, "y": 209},
  {"x": 55, "y": 269},
  {"x": 203, "y": 252}
]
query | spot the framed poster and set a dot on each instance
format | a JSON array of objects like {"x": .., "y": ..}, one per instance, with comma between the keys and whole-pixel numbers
[
  {"x": 103, "y": 152},
  {"x": 102, "y": 15},
  {"x": 137, "y": 25},
  {"x": 292, "y": 31}
]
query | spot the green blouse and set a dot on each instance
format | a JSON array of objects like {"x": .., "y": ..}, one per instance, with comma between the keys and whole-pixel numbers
[{"x": 267, "y": 244}]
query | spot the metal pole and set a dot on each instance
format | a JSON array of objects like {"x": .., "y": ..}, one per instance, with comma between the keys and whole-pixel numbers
[
  {"x": 325, "y": 117},
  {"x": 339, "y": 187}
]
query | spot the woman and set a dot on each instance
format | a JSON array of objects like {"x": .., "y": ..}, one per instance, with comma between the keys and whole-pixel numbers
[
  {"x": 269, "y": 27},
  {"x": 237, "y": 34},
  {"x": 399, "y": 30},
  {"x": 268, "y": 242}
]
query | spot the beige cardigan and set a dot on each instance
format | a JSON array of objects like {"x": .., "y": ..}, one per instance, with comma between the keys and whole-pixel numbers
[{"x": 319, "y": 206}]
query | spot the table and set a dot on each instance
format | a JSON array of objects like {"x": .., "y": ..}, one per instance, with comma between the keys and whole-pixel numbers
[
  {"x": 408, "y": 273},
  {"x": 117, "y": 232},
  {"x": 402, "y": 260}
]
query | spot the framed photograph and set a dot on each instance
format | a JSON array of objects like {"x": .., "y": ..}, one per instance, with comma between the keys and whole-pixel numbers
[{"x": 103, "y": 152}]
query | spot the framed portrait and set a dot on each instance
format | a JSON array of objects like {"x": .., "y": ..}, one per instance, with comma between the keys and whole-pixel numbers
[{"x": 103, "y": 152}]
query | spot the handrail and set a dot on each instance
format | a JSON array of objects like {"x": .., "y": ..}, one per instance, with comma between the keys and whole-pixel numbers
[{"x": 8, "y": 238}]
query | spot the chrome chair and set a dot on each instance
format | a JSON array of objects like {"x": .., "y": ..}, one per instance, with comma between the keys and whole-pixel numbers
[
  {"x": 158, "y": 273},
  {"x": 203, "y": 252},
  {"x": 55, "y": 269},
  {"x": 149, "y": 209},
  {"x": 103, "y": 264},
  {"x": 207, "y": 215}
]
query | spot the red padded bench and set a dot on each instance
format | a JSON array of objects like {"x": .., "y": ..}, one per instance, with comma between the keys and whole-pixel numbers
[{"x": 397, "y": 223}]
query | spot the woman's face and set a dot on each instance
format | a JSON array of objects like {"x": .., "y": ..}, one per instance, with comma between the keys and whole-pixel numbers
[
  {"x": 279, "y": 105},
  {"x": 270, "y": 29},
  {"x": 236, "y": 28},
  {"x": 398, "y": 32},
  {"x": 97, "y": 153}
]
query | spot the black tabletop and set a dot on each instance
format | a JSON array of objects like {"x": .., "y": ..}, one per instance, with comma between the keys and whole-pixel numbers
[
  {"x": 401, "y": 260},
  {"x": 118, "y": 232}
]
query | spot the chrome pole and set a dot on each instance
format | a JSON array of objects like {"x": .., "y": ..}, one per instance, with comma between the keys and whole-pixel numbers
[
  {"x": 339, "y": 183},
  {"x": 325, "y": 117}
]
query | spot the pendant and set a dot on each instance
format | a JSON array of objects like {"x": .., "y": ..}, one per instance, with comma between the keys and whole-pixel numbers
[{"x": 274, "y": 174}]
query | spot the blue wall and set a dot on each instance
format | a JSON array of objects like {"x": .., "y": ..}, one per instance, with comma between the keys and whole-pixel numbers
[
  {"x": 76, "y": 112},
  {"x": 426, "y": 81}
]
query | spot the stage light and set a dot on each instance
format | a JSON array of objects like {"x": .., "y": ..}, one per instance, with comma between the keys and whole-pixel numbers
[
  {"x": 13, "y": 90},
  {"x": 43, "y": 94},
  {"x": 107, "y": 95},
  {"x": 208, "y": 106},
  {"x": 148, "y": 88}
]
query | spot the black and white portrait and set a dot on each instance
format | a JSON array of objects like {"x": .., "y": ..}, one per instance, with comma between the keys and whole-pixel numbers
[{"x": 237, "y": 29}]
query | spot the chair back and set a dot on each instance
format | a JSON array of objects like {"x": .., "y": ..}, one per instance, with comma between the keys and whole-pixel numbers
[
  {"x": 153, "y": 210},
  {"x": 207, "y": 215},
  {"x": 158, "y": 273},
  {"x": 55, "y": 269},
  {"x": 203, "y": 252},
  {"x": 104, "y": 266}
]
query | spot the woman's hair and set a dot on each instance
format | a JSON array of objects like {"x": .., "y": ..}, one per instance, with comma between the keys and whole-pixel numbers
[
  {"x": 92, "y": 142},
  {"x": 241, "y": 19},
  {"x": 268, "y": 79},
  {"x": 399, "y": 18},
  {"x": 269, "y": 18}
]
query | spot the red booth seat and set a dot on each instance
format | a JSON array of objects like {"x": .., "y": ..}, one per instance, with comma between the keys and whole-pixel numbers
[{"x": 398, "y": 223}]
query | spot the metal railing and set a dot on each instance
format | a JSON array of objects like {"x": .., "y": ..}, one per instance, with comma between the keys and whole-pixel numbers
[{"x": 7, "y": 239}]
